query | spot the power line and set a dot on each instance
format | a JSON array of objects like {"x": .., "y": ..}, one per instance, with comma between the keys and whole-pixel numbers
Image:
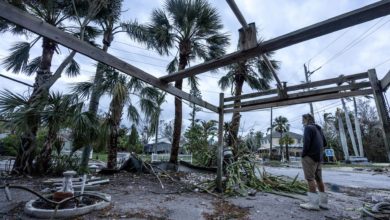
[
  {"x": 327, "y": 46},
  {"x": 357, "y": 40},
  {"x": 381, "y": 63},
  {"x": 139, "y": 54}
]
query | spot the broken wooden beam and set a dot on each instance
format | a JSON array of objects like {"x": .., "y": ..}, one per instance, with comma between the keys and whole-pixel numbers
[
  {"x": 296, "y": 95},
  {"x": 302, "y": 100},
  {"x": 44, "y": 29},
  {"x": 382, "y": 109},
  {"x": 385, "y": 82},
  {"x": 325, "y": 82},
  {"x": 358, "y": 16}
]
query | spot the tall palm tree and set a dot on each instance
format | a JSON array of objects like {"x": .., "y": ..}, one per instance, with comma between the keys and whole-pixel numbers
[
  {"x": 109, "y": 23},
  {"x": 256, "y": 74},
  {"x": 121, "y": 89},
  {"x": 60, "y": 14},
  {"x": 194, "y": 29},
  {"x": 281, "y": 126}
]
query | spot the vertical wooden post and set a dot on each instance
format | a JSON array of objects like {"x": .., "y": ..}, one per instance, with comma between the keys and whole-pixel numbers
[
  {"x": 381, "y": 108},
  {"x": 220, "y": 144}
]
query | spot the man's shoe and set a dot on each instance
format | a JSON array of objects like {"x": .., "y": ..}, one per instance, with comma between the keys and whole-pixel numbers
[
  {"x": 314, "y": 202},
  {"x": 323, "y": 200}
]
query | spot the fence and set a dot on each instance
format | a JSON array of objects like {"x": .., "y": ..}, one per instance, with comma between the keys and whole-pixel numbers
[{"x": 165, "y": 157}]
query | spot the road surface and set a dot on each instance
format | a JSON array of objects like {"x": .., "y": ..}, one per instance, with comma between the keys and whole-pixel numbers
[{"x": 341, "y": 178}]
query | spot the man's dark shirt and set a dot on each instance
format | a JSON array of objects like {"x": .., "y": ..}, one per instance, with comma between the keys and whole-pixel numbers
[{"x": 313, "y": 142}]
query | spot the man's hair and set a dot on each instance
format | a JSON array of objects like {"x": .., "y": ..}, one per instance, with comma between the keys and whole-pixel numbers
[{"x": 309, "y": 118}]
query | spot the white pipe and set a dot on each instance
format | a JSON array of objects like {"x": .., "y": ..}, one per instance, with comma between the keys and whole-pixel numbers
[{"x": 83, "y": 185}]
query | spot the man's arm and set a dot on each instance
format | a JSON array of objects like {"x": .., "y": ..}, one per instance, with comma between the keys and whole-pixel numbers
[{"x": 306, "y": 140}]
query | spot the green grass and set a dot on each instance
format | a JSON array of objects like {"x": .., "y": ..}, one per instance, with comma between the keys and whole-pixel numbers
[{"x": 99, "y": 156}]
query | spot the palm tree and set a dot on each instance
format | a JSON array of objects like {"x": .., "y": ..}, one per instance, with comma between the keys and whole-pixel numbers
[
  {"x": 121, "y": 88},
  {"x": 286, "y": 140},
  {"x": 281, "y": 125},
  {"x": 108, "y": 21},
  {"x": 256, "y": 74},
  {"x": 57, "y": 13},
  {"x": 56, "y": 115},
  {"x": 194, "y": 28}
]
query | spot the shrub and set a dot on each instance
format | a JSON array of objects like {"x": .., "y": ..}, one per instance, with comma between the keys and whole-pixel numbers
[{"x": 10, "y": 145}]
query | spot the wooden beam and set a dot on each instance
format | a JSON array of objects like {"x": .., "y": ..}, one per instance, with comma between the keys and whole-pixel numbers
[
  {"x": 337, "y": 80},
  {"x": 361, "y": 15},
  {"x": 302, "y": 100},
  {"x": 44, "y": 29},
  {"x": 220, "y": 145},
  {"x": 385, "y": 82},
  {"x": 324, "y": 91},
  {"x": 382, "y": 109}
]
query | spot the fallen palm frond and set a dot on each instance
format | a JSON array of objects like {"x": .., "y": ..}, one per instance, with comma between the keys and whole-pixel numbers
[{"x": 244, "y": 176}]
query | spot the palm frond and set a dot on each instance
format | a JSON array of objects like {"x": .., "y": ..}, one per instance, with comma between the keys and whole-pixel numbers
[
  {"x": 135, "y": 31},
  {"x": 193, "y": 82},
  {"x": 132, "y": 114},
  {"x": 148, "y": 107},
  {"x": 83, "y": 89},
  {"x": 9, "y": 101},
  {"x": 173, "y": 65},
  {"x": 73, "y": 69},
  {"x": 18, "y": 58},
  {"x": 136, "y": 84},
  {"x": 149, "y": 93},
  {"x": 225, "y": 82},
  {"x": 32, "y": 66}
]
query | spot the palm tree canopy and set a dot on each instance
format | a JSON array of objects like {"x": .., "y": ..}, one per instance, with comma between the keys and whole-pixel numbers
[
  {"x": 58, "y": 13},
  {"x": 281, "y": 124},
  {"x": 253, "y": 71},
  {"x": 192, "y": 26}
]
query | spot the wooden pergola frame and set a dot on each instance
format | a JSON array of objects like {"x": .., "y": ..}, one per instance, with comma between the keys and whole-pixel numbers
[{"x": 249, "y": 49}]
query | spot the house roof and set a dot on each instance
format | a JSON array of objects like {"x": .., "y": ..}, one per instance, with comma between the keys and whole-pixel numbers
[
  {"x": 160, "y": 140},
  {"x": 291, "y": 134}
]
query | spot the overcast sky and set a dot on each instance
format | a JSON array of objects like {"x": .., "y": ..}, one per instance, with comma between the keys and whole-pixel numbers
[{"x": 348, "y": 51}]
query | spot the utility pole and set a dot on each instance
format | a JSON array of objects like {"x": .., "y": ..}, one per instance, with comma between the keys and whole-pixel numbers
[{"x": 308, "y": 73}]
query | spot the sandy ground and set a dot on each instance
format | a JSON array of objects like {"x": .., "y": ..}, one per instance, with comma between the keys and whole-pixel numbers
[{"x": 141, "y": 197}]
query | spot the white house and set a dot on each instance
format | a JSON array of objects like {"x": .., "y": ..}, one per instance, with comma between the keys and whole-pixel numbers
[{"x": 295, "y": 149}]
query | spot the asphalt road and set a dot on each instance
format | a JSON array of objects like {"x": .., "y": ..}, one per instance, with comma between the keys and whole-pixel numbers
[{"x": 341, "y": 178}]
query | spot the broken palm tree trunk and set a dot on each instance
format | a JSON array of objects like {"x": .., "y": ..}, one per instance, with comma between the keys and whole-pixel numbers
[
  {"x": 358, "y": 130},
  {"x": 343, "y": 138},
  {"x": 350, "y": 129}
]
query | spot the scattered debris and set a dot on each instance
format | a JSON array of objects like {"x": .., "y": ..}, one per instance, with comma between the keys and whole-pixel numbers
[
  {"x": 380, "y": 210},
  {"x": 226, "y": 210}
]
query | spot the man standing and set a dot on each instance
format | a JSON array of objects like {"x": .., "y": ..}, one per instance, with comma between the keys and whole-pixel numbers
[{"x": 313, "y": 145}]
